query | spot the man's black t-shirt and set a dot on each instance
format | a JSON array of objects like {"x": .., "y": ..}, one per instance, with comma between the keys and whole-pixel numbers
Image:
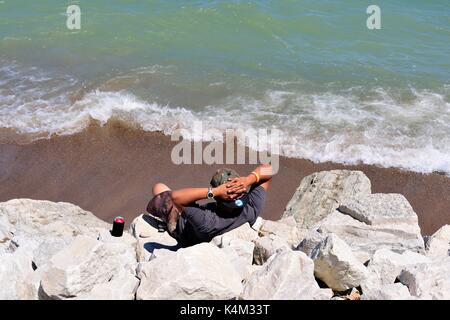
[{"x": 201, "y": 224}]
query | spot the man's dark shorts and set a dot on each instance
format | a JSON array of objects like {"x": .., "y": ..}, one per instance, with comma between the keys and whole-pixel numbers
[{"x": 201, "y": 224}]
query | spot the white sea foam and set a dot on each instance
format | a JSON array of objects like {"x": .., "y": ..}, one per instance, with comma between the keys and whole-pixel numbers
[{"x": 381, "y": 129}]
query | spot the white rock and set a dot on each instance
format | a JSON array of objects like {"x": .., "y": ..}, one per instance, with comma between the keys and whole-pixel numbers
[
  {"x": 310, "y": 242},
  {"x": 321, "y": 193},
  {"x": 43, "y": 227},
  {"x": 244, "y": 250},
  {"x": 258, "y": 224},
  {"x": 144, "y": 226},
  {"x": 28, "y": 289},
  {"x": 6, "y": 235},
  {"x": 250, "y": 269},
  {"x": 244, "y": 232},
  {"x": 285, "y": 228},
  {"x": 266, "y": 246},
  {"x": 365, "y": 239},
  {"x": 85, "y": 263},
  {"x": 335, "y": 264},
  {"x": 287, "y": 275},
  {"x": 393, "y": 291},
  {"x": 122, "y": 287},
  {"x": 38, "y": 218},
  {"x": 240, "y": 254},
  {"x": 386, "y": 265},
  {"x": 428, "y": 280},
  {"x": 46, "y": 247},
  {"x": 145, "y": 229},
  {"x": 14, "y": 269},
  {"x": 439, "y": 243},
  {"x": 161, "y": 253},
  {"x": 390, "y": 211},
  {"x": 201, "y": 272}
]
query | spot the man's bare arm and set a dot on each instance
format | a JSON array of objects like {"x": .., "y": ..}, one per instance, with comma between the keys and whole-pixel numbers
[
  {"x": 260, "y": 176},
  {"x": 186, "y": 196}
]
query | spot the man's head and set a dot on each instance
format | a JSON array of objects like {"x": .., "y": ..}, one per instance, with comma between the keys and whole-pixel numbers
[
  {"x": 222, "y": 175},
  {"x": 163, "y": 207}
]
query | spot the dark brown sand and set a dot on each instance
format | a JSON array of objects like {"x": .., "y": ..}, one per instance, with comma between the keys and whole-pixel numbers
[{"x": 110, "y": 171}]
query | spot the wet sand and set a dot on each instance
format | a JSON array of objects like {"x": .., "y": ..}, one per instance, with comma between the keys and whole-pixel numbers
[{"x": 110, "y": 171}]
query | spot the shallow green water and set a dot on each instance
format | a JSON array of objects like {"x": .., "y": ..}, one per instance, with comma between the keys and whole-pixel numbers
[{"x": 312, "y": 69}]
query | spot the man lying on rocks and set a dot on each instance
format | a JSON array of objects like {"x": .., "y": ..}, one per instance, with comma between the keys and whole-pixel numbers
[{"x": 238, "y": 200}]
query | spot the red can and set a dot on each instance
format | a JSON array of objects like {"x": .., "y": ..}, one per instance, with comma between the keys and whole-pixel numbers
[{"x": 118, "y": 226}]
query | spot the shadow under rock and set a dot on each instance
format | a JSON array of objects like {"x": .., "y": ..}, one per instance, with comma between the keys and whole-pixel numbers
[{"x": 161, "y": 227}]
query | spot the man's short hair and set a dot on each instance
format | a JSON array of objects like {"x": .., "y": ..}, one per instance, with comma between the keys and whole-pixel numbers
[{"x": 222, "y": 175}]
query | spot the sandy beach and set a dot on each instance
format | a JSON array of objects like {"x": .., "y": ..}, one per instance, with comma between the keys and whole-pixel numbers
[{"x": 110, "y": 170}]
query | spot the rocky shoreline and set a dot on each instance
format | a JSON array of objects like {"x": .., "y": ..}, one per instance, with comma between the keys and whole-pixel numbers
[{"x": 336, "y": 240}]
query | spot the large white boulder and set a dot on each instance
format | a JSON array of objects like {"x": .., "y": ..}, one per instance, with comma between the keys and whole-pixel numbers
[
  {"x": 321, "y": 193},
  {"x": 149, "y": 237},
  {"x": 362, "y": 238},
  {"x": 335, "y": 264},
  {"x": 202, "y": 272},
  {"x": 38, "y": 217},
  {"x": 386, "y": 265},
  {"x": 438, "y": 244},
  {"x": 84, "y": 264},
  {"x": 287, "y": 275},
  {"x": 389, "y": 211},
  {"x": 428, "y": 280}
]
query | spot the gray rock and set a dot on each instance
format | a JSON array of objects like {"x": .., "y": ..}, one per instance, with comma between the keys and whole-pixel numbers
[
  {"x": 321, "y": 193},
  {"x": 391, "y": 211},
  {"x": 311, "y": 240},
  {"x": 393, "y": 291},
  {"x": 335, "y": 264},
  {"x": 438, "y": 245},
  {"x": 287, "y": 275},
  {"x": 429, "y": 281},
  {"x": 201, "y": 272},
  {"x": 267, "y": 246}
]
